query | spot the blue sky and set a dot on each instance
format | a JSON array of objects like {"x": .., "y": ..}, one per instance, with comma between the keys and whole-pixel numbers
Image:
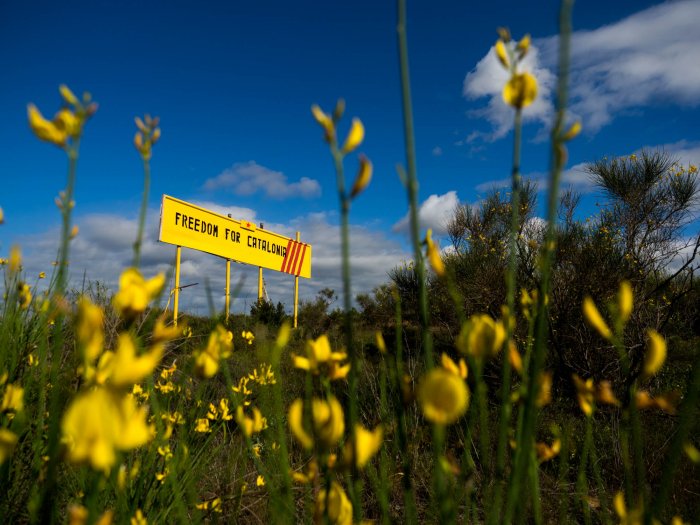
[{"x": 233, "y": 84}]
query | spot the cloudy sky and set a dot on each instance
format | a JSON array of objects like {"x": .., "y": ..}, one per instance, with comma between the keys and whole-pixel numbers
[{"x": 233, "y": 84}]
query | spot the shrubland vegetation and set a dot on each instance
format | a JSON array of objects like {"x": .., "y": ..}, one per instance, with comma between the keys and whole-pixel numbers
[{"x": 543, "y": 370}]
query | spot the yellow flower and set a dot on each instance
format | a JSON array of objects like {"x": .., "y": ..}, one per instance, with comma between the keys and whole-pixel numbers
[
  {"x": 318, "y": 352},
  {"x": 325, "y": 121},
  {"x": 248, "y": 336},
  {"x": 627, "y": 517},
  {"x": 163, "y": 333},
  {"x": 123, "y": 367},
  {"x": 89, "y": 331},
  {"x": 364, "y": 175},
  {"x": 328, "y": 422},
  {"x": 604, "y": 394},
  {"x": 260, "y": 481},
  {"x": 355, "y": 137},
  {"x": 572, "y": 132},
  {"x": 250, "y": 425},
  {"x": 516, "y": 361},
  {"x": 667, "y": 402},
  {"x": 520, "y": 91},
  {"x": 8, "y": 441},
  {"x": 585, "y": 393},
  {"x": 546, "y": 452},
  {"x": 283, "y": 335},
  {"x": 433, "y": 254},
  {"x": 544, "y": 395},
  {"x": 202, "y": 425},
  {"x": 379, "y": 339},
  {"x": 481, "y": 336},
  {"x": 625, "y": 301},
  {"x": 13, "y": 399},
  {"x": 593, "y": 317},
  {"x": 690, "y": 450},
  {"x": 138, "y": 518},
  {"x": 339, "y": 509},
  {"x": 98, "y": 422},
  {"x": 45, "y": 129},
  {"x": 219, "y": 347},
  {"x": 42, "y": 275},
  {"x": 443, "y": 396},
  {"x": 135, "y": 292},
  {"x": 502, "y": 54},
  {"x": 655, "y": 354},
  {"x": 24, "y": 295},
  {"x": 78, "y": 515},
  {"x": 367, "y": 444},
  {"x": 15, "y": 260},
  {"x": 460, "y": 370}
]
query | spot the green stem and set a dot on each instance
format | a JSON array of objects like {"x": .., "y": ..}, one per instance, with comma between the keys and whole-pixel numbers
[
  {"x": 355, "y": 489},
  {"x": 541, "y": 330},
  {"x": 142, "y": 213},
  {"x": 511, "y": 282},
  {"x": 412, "y": 185}
]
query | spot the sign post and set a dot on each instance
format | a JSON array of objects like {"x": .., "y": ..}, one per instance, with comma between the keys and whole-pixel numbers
[
  {"x": 296, "y": 294},
  {"x": 228, "y": 287},
  {"x": 177, "y": 283}
]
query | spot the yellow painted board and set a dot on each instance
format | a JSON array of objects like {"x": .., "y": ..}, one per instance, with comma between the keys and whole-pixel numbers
[{"x": 188, "y": 225}]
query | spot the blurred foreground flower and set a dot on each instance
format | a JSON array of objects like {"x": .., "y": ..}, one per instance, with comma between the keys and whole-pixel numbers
[
  {"x": 443, "y": 396},
  {"x": 135, "y": 292},
  {"x": 481, "y": 336},
  {"x": 339, "y": 508},
  {"x": 328, "y": 422},
  {"x": 219, "y": 347},
  {"x": 98, "y": 423}
]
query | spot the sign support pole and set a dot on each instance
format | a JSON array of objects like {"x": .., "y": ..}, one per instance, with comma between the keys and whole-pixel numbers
[
  {"x": 296, "y": 293},
  {"x": 176, "y": 300},
  {"x": 228, "y": 287},
  {"x": 260, "y": 277}
]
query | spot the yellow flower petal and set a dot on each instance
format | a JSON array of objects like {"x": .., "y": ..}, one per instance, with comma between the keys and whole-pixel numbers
[
  {"x": 45, "y": 129},
  {"x": 433, "y": 255},
  {"x": 520, "y": 91},
  {"x": 295, "y": 418},
  {"x": 524, "y": 45},
  {"x": 655, "y": 354},
  {"x": 625, "y": 301},
  {"x": 364, "y": 175},
  {"x": 355, "y": 137},
  {"x": 68, "y": 95},
  {"x": 592, "y": 315},
  {"x": 573, "y": 131},
  {"x": 8, "y": 441},
  {"x": 368, "y": 443},
  {"x": 501, "y": 53},
  {"x": 325, "y": 121}
]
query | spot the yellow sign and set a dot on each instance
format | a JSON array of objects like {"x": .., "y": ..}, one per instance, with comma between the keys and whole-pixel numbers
[{"x": 185, "y": 224}]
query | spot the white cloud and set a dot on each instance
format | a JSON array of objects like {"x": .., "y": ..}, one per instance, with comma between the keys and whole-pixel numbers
[
  {"x": 435, "y": 213},
  {"x": 104, "y": 247},
  {"x": 437, "y": 151},
  {"x": 250, "y": 177},
  {"x": 647, "y": 58}
]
